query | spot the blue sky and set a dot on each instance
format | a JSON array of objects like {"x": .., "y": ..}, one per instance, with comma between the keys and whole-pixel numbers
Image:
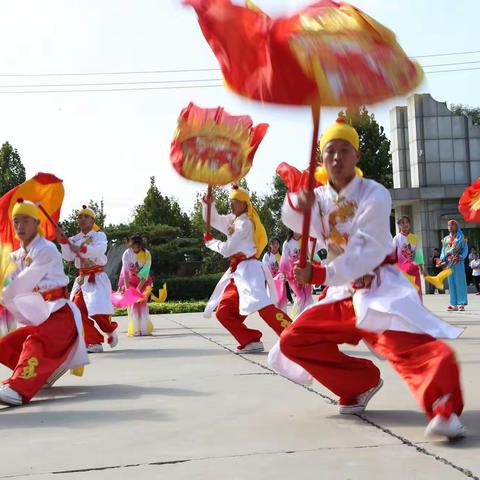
[{"x": 107, "y": 144}]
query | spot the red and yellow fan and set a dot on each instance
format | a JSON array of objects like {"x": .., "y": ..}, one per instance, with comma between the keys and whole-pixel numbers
[
  {"x": 45, "y": 190},
  {"x": 469, "y": 203},
  {"x": 213, "y": 147}
]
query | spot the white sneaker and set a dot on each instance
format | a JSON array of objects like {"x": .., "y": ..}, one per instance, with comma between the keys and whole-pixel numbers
[
  {"x": 54, "y": 377},
  {"x": 362, "y": 401},
  {"x": 8, "y": 396},
  {"x": 253, "y": 347},
  {"x": 95, "y": 348},
  {"x": 451, "y": 427},
  {"x": 113, "y": 339}
]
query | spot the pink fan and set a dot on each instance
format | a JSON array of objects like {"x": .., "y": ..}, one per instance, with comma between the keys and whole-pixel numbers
[{"x": 127, "y": 298}]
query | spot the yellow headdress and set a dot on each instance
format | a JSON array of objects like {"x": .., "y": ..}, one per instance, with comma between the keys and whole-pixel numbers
[
  {"x": 259, "y": 234},
  {"x": 88, "y": 211},
  {"x": 340, "y": 130},
  {"x": 25, "y": 207},
  {"x": 337, "y": 131}
]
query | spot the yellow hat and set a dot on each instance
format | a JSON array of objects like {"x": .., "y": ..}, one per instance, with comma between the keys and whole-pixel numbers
[
  {"x": 88, "y": 211},
  {"x": 25, "y": 207},
  {"x": 239, "y": 194},
  {"x": 259, "y": 233},
  {"x": 340, "y": 130}
]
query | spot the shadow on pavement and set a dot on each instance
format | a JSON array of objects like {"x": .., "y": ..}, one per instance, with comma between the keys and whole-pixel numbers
[
  {"x": 58, "y": 397},
  {"x": 64, "y": 419},
  {"x": 166, "y": 352},
  {"x": 398, "y": 418}
]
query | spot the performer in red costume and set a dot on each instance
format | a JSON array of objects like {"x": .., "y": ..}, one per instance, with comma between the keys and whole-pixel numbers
[
  {"x": 368, "y": 298},
  {"x": 241, "y": 291},
  {"x": 37, "y": 296}
]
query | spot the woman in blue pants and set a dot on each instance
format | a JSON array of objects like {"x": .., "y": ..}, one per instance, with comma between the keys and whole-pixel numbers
[{"x": 454, "y": 251}]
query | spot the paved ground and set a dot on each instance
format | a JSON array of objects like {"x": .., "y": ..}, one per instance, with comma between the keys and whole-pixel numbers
[{"x": 181, "y": 405}]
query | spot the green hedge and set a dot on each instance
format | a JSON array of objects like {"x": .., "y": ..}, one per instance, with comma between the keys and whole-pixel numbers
[
  {"x": 168, "y": 307},
  {"x": 199, "y": 287}
]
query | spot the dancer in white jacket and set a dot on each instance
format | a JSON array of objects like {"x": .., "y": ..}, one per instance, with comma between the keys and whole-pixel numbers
[{"x": 368, "y": 298}]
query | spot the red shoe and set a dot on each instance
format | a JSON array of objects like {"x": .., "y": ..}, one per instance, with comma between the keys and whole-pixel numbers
[
  {"x": 452, "y": 308},
  {"x": 461, "y": 308}
]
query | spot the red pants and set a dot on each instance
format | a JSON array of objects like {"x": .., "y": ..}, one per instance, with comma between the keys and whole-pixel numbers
[
  {"x": 34, "y": 353},
  {"x": 427, "y": 365},
  {"x": 229, "y": 316},
  {"x": 91, "y": 334}
]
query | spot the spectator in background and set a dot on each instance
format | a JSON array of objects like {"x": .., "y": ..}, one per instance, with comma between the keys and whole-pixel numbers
[
  {"x": 475, "y": 266},
  {"x": 468, "y": 268}
]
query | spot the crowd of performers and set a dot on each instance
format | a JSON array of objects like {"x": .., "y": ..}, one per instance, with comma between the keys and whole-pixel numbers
[
  {"x": 372, "y": 294},
  {"x": 60, "y": 328}
]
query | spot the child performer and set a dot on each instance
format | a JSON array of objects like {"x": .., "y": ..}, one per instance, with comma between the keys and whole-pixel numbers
[
  {"x": 52, "y": 341},
  {"x": 273, "y": 256},
  {"x": 136, "y": 263},
  {"x": 408, "y": 256},
  {"x": 290, "y": 255},
  {"x": 367, "y": 298},
  {"x": 92, "y": 290},
  {"x": 272, "y": 259},
  {"x": 241, "y": 291}
]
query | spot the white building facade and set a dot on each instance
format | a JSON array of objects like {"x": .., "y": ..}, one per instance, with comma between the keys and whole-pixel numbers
[{"x": 435, "y": 156}]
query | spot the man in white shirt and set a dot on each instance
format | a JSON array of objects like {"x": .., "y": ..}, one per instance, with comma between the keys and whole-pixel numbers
[
  {"x": 242, "y": 289},
  {"x": 92, "y": 291},
  {"x": 368, "y": 298},
  {"x": 37, "y": 296}
]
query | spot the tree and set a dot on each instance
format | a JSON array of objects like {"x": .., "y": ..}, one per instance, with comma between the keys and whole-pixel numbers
[
  {"x": 472, "y": 112},
  {"x": 12, "y": 171},
  {"x": 376, "y": 160},
  {"x": 157, "y": 208}
]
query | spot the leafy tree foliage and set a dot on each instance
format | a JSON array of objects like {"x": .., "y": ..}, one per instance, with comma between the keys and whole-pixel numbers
[
  {"x": 12, "y": 171},
  {"x": 472, "y": 112},
  {"x": 376, "y": 160},
  {"x": 159, "y": 209}
]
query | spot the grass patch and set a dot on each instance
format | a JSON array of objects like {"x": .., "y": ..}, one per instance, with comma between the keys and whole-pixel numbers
[{"x": 169, "y": 307}]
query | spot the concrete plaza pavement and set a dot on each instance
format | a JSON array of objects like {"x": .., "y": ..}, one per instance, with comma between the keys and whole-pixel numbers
[{"x": 182, "y": 405}]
